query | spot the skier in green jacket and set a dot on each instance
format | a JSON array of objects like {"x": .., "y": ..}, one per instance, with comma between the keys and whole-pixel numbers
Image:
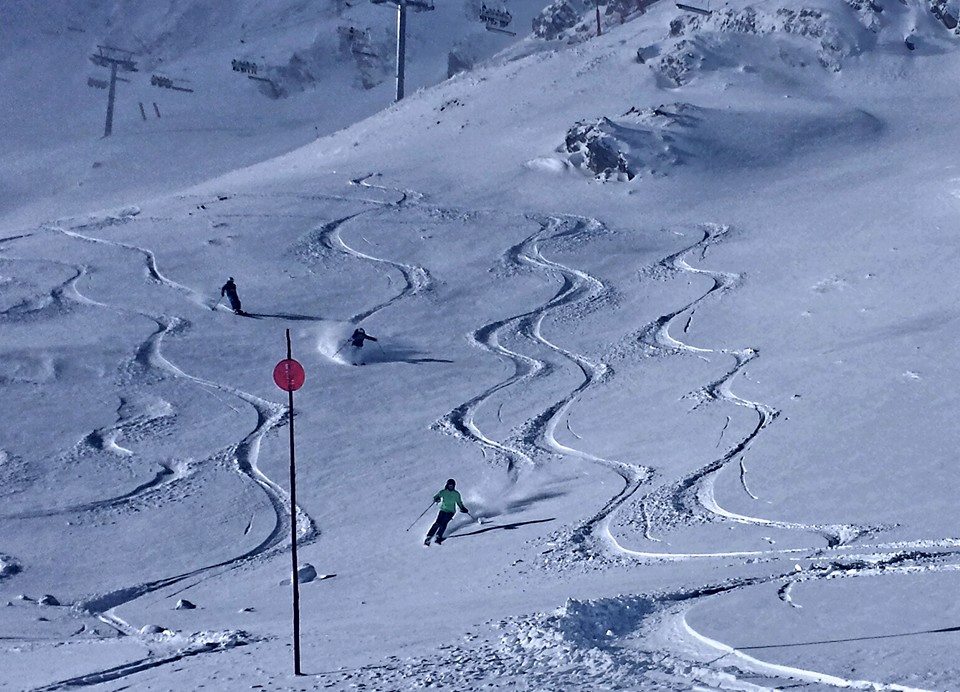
[{"x": 449, "y": 500}]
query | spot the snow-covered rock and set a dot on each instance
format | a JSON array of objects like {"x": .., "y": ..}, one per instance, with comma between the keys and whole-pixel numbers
[{"x": 152, "y": 629}]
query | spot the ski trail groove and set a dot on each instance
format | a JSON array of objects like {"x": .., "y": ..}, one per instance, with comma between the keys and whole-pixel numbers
[
  {"x": 575, "y": 287},
  {"x": 244, "y": 455},
  {"x": 416, "y": 279},
  {"x": 743, "y": 480},
  {"x": 692, "y": 497},
  {"x": 150, "y": 264}
]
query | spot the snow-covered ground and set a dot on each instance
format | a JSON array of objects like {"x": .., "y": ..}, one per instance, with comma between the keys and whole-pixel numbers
[{"x": 674, "y": 305}]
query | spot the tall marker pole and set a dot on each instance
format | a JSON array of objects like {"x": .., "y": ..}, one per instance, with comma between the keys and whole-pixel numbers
[
  {"x": 293, "y": 530},
  {"x": 289, "y": 376}
]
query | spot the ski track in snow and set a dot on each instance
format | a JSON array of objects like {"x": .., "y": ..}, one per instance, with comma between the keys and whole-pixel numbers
[
  {"x": 639, "y": 641},
  {"x": 244, "y": 456},
  {"x": 678, "y": 660},
  {"x": 417, "y": 279},
  {"x": 692, "y": 498},
  {"x": 642, "y": 641},
  {"x": 576, "y": 287},
  {"x": 270, "y": 415},
  {"x": 694, "y": 494},
  {"x": 182, "y": 647},
  {"x": 665, "y": 648}
]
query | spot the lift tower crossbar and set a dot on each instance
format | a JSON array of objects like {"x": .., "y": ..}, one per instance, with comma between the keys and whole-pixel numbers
[{"x": 118, "y": 60}]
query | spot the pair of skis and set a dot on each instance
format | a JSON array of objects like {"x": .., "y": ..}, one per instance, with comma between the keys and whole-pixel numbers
[
  {"x": 347, "y": 343},
  {"x": 242, "y": 313},
  {"x": 479, "y": 520}
]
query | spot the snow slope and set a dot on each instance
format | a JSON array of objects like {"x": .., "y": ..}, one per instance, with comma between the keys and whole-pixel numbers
[
  {"x": 704, "y": 409},
  {"x": 330, "y": 64}
]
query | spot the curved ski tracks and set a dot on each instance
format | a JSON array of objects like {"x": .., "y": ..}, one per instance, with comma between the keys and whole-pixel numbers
[
  {"x": 244, "y": 455},
  {"x": 416, "y": 279},
  {"x": 692, "y": 497},
  {"x": 576, "y": 287}
]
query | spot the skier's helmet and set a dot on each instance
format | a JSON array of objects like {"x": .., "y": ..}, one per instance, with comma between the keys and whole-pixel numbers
[
  {"x": 231, "y": 278},
  {"x": 451, "y": 484},
  {"x": 360, "y": 330}
]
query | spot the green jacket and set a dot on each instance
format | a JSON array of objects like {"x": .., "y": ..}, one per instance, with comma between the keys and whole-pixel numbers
[{"x": 449, "y": 501}]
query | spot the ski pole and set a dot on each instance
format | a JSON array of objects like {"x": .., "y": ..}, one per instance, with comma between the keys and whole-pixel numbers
[
  {"x": 217, "y": 304},
  {"x": 421, "y": 515},
  {"x": 476, "y": 519},
  {"x": 341, "y": 348}
]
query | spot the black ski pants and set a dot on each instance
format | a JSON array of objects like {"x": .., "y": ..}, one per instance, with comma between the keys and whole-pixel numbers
[{"x": 440, "y": 525}]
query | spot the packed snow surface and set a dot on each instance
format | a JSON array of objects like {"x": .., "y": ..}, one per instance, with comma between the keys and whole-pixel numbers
[{"x": 674, "y": 305}]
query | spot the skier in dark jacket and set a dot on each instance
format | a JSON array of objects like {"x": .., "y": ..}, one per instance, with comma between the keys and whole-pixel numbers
[
  {"x": 449, "y": 500},
  {"x": 359, "y": 336},
  {"x": 230, "y": 290},
  {"x": 356, "y": 342}
]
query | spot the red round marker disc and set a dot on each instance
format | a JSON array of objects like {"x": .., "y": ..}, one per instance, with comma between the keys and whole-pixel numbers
[{"x": 289, "y": 375}]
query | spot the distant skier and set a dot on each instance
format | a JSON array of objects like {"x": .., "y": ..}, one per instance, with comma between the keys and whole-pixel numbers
[
  {"x": 230, "y": 290},
  {"x": 359, "y": 336},
  {"x": 449, "y": 500},
  {"x": 356, "y": 341}
]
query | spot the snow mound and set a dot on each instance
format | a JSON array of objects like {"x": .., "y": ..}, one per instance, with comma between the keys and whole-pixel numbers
[
  {"x": 582, "y": 633},
  {"x": 219, "y": 640},
  {"x": 652, "y": 141},
  {"x": 148, "y": 630},
  {"x": 307, "y": 573},
  {"x": 620, "y": 149},
  {"x": 8, "y": 566},
  {"x": 168, "y": 642}
]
